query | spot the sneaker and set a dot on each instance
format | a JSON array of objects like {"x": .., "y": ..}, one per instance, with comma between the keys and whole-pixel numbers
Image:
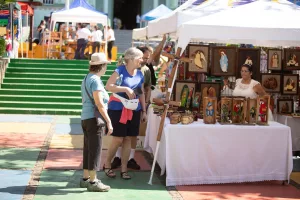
[
  {"x": 84, "y": 184},
  {"x": 98, "y": 187},
  {"x": 116, "y": 163},
  {"x": 133, "y": 165}
]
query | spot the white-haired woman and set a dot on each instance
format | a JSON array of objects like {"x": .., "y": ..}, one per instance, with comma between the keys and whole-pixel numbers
[{"x": 125, "y": 83}]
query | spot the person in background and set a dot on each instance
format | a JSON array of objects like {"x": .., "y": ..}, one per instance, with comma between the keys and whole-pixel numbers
[
  {"x": 83, "y": 34},
  {"x": 132, "y": 164},
  {"x": 110, "y": 37},
  {"x": 138, "y": 21},
  {"x": 126, "y": 108},
  {"x": 96, "y": 38},
  {"x": 153, "y": 59},
  {"x": 41, "y": 28},
  {"x": 94, "y": 94}
]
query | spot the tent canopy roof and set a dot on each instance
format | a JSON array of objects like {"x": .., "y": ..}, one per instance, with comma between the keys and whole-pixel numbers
[
  {"x": 80, "y": 12},
  {"x": 275, "y": 23},
  {"x": 190, "y": 10},
  {"x": 157, "y": 12}
]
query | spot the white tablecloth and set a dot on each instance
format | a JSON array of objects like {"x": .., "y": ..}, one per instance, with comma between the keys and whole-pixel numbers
[
  {"x": 294, "y": 124},
  {"x": 209, "y": 154}
]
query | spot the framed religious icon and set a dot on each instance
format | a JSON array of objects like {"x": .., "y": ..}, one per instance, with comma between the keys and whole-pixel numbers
[
  {"x": 199, "y": 56},
  {"x": 196, "y": 101},
  {"x": 251, "y": 111},
  {"x": 262, "y": 109},
  {"x": 225, "y": 107},
  {"x": 249, "y": 56},
  {"x": 285, "y": 106},
  {"x": 274, "y": 59},
  {"x": 184, "y": 92},
  {"x": 210, "y": 89},
  {"x": 291, "y": 59},
  {"x": 209, "y": 110},
  {"x": 290, "y": 84},
  {"x": 238, "y": 115},
  {"x": 181, "y": 71},
  {"x": 223, "y": 61},
  {"x": 271, "y": 83}
]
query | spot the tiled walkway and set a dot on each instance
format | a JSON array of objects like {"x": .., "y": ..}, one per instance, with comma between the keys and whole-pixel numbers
[{"x": 41, "y": 158}]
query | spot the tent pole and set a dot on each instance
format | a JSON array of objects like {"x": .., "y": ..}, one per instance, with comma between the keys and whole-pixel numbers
[{"x": 27, "y": 19}]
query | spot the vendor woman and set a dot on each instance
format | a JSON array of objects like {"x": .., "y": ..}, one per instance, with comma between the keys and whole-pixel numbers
[{"x": 247, "y": 87}]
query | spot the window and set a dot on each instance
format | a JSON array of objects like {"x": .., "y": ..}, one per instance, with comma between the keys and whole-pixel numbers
[{"x": 48, "y": 1}]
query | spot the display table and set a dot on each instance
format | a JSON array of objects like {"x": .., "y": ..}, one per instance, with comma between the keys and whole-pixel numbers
[
  {"x": 294, "y": 124},
  {"x": 199, "y": 153}
]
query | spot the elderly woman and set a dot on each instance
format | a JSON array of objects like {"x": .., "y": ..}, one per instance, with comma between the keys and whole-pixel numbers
[
  {"x": 126, "y": 108},
  {"x": 247, "y": 87},
  {"x": 94, "y": 95}
]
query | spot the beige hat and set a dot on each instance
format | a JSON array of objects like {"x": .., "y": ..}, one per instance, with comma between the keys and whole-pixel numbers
[{"x": 98, "y": 59}]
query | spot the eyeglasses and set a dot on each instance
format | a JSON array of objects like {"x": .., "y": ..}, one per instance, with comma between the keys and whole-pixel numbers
[
  {"x": 145, "y": 58},
  {"x": 245, "y": 71}
]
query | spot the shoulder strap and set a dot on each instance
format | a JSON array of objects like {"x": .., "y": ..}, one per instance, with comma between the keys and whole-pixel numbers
[{"x": 92, "y": 100}]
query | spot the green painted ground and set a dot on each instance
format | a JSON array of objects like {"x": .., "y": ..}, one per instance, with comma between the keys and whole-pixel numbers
[
  {"x": 64, "y": 185},
  {"x": 18, "y": 158}
]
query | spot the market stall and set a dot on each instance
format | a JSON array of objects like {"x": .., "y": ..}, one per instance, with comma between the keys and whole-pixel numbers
[
  {"x": 79, "y": 12},
  {"x": 207, "y": 106}
]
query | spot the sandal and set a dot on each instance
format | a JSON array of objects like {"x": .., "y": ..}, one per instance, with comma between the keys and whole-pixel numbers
[
  {"x": 125, "y": 176},
  {"x": 109, "y": 172}
]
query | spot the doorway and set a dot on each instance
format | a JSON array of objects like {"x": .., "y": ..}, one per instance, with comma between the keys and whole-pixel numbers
[{"x": 126, "y": 11}]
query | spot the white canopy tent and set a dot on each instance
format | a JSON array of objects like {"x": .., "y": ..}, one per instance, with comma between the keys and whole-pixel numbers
[
  {"x": 79, "y": 15},
  {"x": 139, "y": 33},
  {"x": 263, "y": 22},
  {"x": 157, "y": 12},
  {"x": 190, "y": 10}
]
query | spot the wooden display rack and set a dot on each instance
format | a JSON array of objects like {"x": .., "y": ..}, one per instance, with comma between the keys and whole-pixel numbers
[{"x": 52, "y": 44}]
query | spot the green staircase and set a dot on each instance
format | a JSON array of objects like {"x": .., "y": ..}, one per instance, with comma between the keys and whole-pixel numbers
[{"x": 35, "y": 86}]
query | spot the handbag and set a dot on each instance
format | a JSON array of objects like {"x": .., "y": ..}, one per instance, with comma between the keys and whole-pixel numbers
[{"x": 98, "y": 116}]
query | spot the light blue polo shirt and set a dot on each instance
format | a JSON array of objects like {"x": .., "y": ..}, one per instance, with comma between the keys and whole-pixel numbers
[{"x": 93, "y": 83}]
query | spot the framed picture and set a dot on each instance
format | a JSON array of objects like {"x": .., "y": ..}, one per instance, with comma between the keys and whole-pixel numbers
[
  {"x": 290, "y": 84},
  {"x": 210, "y": 89},
  {"x": 285, "y": 106},
  {"x": 262, "y": 108},
  {"x": 184, "y": 92},
  {"x": 223, "y": 61},
  {"x": 210, "y": 110},
  {"x": 249, "y": 56},
  {"x": 291, "y": 59},
  {"x": 196, "y": 101},
  {"x": 271, "y": 82},
  {"x": 274, "y": 59},
  {"x": 199, "y": 55}
]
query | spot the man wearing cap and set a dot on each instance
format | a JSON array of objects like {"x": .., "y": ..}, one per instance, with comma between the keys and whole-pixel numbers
[{"x": 83, "y": 35}]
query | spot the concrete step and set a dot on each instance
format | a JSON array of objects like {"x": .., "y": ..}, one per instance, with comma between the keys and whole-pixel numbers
[
  {"x": 36, "y": 92},
  {"x": 45, "y": 61},
  {"x": 55, "y": 66},
  {"x": 36, "y": 98},
  {"x": 40, "y": 111},
  {"x": 46, "y": 105}
]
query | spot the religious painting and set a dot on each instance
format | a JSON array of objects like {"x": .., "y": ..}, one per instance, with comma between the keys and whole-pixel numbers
[
  {"x": 275, "y": 59},
  {"x": 290, "y": 84},
  {"x": 199, "y": 58},
  {"x": 209, "y": 110},
  {"x": 208, "y": 89},
  {"x": 271, "y": 83},
  {"x": 249, "y": 56},
  {"x": 285, "y": 106},
  {"x": 227, "y": 86},
  {"x": 251, "y": 111},
  {"x": 181, "y": 71},
  {"x": 225, "y": 107},
  {"x": 291, "y": 59},
  {"x": 223, "y": 61},
  {"x": 184, "y": 93},
  {"x": 262, "y": 109},
  {"x": 238, "y": 115},
  {"x": 196, "y": 101}
]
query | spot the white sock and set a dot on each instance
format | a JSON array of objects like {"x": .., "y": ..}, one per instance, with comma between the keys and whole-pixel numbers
[
  {"x": 119, "y": 152},
  {"x": 132, "y": 152}
]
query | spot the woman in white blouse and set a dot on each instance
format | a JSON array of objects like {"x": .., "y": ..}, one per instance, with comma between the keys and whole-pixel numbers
[{"x": 247, "y": 87}]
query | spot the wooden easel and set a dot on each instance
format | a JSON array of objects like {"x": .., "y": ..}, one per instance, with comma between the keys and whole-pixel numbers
[{"x": 176, "y": 58}]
